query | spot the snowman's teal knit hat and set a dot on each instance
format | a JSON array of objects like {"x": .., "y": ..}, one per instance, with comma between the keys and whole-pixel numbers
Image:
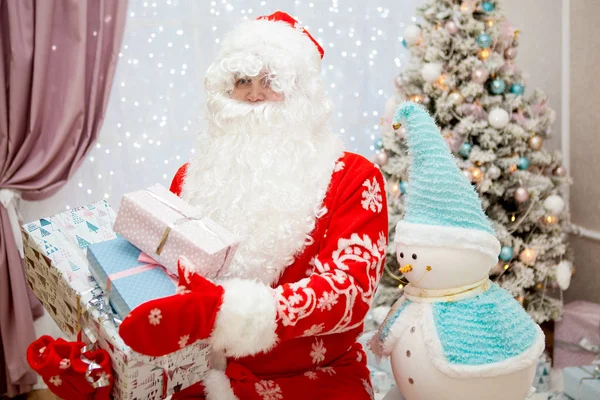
[{"x": 442, "y": 208}]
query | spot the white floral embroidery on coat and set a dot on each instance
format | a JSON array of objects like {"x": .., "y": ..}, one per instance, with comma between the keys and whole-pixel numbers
[
  {"x": 372, "y": 199},
  {"x": 268, "y": 390},
  {"x": 318, "y": 351}
]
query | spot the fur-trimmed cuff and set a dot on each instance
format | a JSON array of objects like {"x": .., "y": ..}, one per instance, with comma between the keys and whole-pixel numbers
[
  {"x": 217, "y": 386},
  {"x": 246, "y": 321}
]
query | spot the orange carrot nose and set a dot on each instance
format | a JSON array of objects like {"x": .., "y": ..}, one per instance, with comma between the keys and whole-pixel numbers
[{"x": 406, "y": 268}]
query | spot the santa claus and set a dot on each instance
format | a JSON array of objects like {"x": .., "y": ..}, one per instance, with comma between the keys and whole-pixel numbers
[{"x": 312, "y": 220}]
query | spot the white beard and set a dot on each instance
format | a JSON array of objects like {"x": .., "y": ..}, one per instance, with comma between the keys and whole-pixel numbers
[{"x": 262, "y": 172}]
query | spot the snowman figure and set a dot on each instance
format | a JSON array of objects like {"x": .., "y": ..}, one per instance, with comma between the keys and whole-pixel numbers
[{"x": 453, "y": 334}]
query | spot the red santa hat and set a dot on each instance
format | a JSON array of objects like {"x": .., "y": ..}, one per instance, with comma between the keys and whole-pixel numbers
[
  {"x": 280, "y": 16},
  {"x": 276, "y": 41}
]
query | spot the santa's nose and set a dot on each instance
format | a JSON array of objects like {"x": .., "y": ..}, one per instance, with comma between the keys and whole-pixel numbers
[
  {"x": 256, "y": 93},
  {"x": 406, "y": 268}
]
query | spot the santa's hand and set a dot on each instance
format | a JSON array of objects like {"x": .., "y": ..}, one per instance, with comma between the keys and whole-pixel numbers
[{"x": 165, "y": 325}]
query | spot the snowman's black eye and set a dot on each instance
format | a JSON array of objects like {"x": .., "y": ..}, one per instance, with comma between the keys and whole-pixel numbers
[
  {"x": 401, "y": 255},
  {"x": 414, "y": 256}
]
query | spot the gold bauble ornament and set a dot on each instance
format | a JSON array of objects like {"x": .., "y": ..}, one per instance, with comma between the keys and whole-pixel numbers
[{"x": 535, "y": 142}]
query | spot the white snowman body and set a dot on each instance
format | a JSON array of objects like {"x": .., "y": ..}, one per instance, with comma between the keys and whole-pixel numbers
[
  {"x": 419, "y": 379},
  {"x": 453, "y": 334},
  {"x": 420, "y": 369}
]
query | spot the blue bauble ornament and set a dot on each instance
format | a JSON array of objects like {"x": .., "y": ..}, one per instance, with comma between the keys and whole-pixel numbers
[
  {"x": 403, "y": 187},
  {"x": 523, "y": 163},
  {"x": 497, "y": 86},
  {"x": 465, "y": 150},
  {"x": 517, "y": 88},
  {"x": 404, "y": 43},
  {"x": 488, "y": 6},
  {"x": 506, "y": 253},
  {"x": 379, "y": 144},
  {"x": 484, "y": 41}
]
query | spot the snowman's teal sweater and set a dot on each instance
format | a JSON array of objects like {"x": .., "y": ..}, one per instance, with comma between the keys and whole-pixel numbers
[{"x": 488, "y": 328}]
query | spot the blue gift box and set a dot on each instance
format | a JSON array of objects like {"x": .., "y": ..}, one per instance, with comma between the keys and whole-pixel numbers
[
  {"x": 582, "y": 383},
  {"x": 129, "y": 279}
]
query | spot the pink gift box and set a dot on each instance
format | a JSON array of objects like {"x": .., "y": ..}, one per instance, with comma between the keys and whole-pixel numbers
[
  {"x": 165, "y": 227},
  {"x": 577, "y": 335}
]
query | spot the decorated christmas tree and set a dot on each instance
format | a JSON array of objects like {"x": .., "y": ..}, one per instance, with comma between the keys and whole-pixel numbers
[{"x": 463, "y": 69}]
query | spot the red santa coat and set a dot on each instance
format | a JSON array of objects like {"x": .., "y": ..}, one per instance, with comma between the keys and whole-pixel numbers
[{"x": 309, "y": 350}]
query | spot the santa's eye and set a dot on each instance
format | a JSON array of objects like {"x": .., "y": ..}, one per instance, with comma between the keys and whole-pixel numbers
[
  {"x": 414, "y": 256},
  {"x": 401, "y": 255},
  {"x": 243, "y": 81}
]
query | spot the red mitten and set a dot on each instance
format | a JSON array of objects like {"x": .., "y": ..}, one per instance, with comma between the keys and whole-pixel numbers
[
  {"x": 61, "y": 367},
  {"x": 163, "y": 326}
]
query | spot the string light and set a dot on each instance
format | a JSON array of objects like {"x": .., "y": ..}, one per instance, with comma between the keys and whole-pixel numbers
[
  {"x": 484, "y": 54},
  {"x": 417, "y": 98},
  {"x": 476, "y": 175}
]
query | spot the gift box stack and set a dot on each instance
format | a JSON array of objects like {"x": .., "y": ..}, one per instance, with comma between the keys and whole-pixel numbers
[
  {"x": 90, "y": 268},
  {"x": 577, "y": 350}
]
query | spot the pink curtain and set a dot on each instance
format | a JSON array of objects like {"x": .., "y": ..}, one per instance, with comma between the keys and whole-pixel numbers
[{"x": 57, "y": 61}]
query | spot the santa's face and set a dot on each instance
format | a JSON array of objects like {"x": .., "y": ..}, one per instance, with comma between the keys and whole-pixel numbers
[
  {"x": 254, "y": 89},
  {"x": 263, "y": 168}
]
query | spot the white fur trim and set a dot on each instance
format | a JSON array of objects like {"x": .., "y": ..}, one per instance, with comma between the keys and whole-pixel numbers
[
  {"x": 257, "y": 34},
  {"x": 217, "y": 386},
  {"x": 410, "y": 315},
  {"x": 446, "y": 236},
  {"x": 436, "y": 354},
  {"x": 246, "y": 322}
]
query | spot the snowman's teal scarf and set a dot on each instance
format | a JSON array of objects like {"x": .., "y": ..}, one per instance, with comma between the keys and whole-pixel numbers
[{"x": 490, "y": 327}]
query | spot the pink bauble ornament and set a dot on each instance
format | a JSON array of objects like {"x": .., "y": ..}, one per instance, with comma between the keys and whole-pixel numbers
[
  {"x": 451, "y": 27},
  {"x": 381, "y": 158},
  {"x": 560, "y": 171},
  {"x": 528, "y": 256},
  {"x": 508, "y": 69},
  {"x": 521, "y": 195},
  {"x": 480, "y": 75},
  {"x": 510, "y": 53}
]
